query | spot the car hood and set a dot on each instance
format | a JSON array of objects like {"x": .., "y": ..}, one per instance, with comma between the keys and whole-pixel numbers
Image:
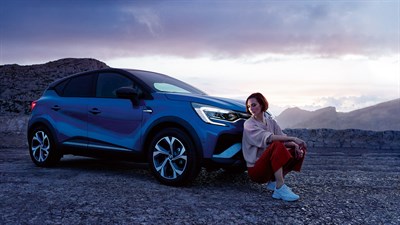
[{"x": 226, "y": 103}]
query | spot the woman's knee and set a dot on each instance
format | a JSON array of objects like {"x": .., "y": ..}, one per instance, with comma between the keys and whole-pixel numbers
[{"x": 278, "y": 144}]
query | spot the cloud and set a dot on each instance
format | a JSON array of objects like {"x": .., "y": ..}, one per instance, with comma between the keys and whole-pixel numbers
[{"x": 195, "y": 28}]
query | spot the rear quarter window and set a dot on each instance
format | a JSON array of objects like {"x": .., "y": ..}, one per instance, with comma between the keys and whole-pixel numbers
[{"x": 78, "y": 86}]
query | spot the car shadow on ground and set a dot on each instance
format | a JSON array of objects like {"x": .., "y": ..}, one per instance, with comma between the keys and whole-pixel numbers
[
  {"x": 95, "y": 165},
  {"x": 206, "y": 178}
]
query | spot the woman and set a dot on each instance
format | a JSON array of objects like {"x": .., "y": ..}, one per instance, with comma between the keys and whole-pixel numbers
[{"x": 269, "y": 153}]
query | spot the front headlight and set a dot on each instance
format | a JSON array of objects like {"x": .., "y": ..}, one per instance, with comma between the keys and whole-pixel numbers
[{"x": 214, "y": 115}]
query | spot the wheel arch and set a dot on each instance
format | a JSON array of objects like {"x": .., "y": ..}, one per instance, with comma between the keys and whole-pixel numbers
[
  {"x": 52, "y": 154},
  {"x": 174, "y": 122},
  {"x": 42, "y": 122}
]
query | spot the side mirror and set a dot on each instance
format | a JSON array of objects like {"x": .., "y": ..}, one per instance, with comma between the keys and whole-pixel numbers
[{"x": 128, "y": 93}]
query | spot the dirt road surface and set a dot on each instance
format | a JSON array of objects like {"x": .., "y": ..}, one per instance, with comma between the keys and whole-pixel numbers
[{"x": 336, "y": 186}]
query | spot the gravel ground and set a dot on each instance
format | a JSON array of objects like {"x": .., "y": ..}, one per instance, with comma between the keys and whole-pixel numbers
[{"x": 337, "y": 186}]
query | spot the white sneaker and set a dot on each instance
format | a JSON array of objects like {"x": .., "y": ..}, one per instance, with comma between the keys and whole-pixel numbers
[
  {"x": 271, "y": 185},
  {"x": 285, "y": 194}
]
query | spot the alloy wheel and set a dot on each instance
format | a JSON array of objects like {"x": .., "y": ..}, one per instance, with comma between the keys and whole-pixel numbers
[
  {"x": 40, "y": 146},
  {"x": 169, "y": 157}
]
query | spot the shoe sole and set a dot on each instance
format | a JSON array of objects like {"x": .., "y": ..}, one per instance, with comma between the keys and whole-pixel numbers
[{"x": 287, "y": 200}]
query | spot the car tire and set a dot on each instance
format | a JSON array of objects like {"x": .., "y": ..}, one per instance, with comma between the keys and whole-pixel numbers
[
  {"x": 42, "y": 147},
  {"x": 172, "y": 157}
]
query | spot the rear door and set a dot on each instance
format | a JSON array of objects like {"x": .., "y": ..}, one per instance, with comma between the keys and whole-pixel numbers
[{"x": 69, "y": 111}]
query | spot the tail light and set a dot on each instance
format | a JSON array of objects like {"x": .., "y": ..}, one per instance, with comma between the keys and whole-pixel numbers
[{"x": 33, "y": 104}]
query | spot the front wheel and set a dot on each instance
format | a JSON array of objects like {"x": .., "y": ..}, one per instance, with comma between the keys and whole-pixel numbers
[
  {"x": 173, "y": 158},
  {"x": 42, "y": 148}
]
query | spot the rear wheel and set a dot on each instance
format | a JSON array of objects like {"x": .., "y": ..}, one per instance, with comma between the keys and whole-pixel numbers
[
  {"x": 42, "y": 148},
  {"x": 172, "y": 157}
]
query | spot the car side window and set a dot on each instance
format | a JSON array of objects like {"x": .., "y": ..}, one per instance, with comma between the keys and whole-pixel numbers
[
  {"x": 79, "y": 86},
  {"x": 108, "y": 83}
]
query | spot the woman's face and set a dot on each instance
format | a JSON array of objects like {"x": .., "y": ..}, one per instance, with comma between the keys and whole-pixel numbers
[{"x": 254, "y": 107}]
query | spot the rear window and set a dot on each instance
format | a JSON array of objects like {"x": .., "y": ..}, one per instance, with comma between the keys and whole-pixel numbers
[{"x": 78, "y": 86}]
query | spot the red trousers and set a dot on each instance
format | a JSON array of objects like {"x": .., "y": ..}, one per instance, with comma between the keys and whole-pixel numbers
[{"x": 274, "y": 157}]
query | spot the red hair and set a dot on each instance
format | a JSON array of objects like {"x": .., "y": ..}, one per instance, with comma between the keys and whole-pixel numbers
[{"x": 260, "y": 99}]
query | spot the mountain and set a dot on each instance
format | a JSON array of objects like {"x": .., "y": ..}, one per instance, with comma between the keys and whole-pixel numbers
[
  {"x": 20, "y": 85},
  {"x": 380, "y": 117}
]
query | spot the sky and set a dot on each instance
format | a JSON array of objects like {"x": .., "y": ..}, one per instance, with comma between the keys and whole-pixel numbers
[{"x": 308, "y": 54}]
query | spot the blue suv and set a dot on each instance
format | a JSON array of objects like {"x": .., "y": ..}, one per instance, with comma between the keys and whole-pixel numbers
[{"x": 140, "y": 116}]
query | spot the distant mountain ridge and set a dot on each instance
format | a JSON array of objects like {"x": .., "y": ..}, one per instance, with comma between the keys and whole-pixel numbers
[
  {"x": 20, "y": 85},
  {"x": 380, "y": 117}
]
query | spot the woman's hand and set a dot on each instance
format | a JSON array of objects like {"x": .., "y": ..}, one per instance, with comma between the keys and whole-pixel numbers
[
  {"x": 300, "y": 145},
  {"x": 299, "y": 142},
  {"x": 299, "y": 152}
]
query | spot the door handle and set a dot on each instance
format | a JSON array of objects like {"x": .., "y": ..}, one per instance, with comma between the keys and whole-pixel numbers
[
  {"x": 56, "y": 107},
  {"x": 147, "y": 110},
  {"x": 95, "y": 111}
]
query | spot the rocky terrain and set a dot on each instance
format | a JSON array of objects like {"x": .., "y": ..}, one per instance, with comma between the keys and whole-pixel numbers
[
  {"x": 336, "y": 186},
  {"x": 348, "y": 138}
]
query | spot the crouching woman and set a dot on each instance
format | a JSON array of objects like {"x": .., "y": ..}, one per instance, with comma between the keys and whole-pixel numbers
[{"x": 269, "y": 153}]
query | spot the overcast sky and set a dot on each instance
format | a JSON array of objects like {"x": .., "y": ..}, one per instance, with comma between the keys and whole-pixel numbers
[{"x": 309, "y": 54}]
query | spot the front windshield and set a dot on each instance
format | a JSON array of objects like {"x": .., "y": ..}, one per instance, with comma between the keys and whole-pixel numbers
[{"x": 163, "y": 83}]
